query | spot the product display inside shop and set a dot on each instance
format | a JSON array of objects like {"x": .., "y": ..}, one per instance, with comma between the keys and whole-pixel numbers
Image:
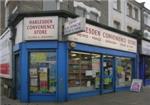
[
  {"x": 84, "y": 72},
  {"x": 42, "y": 72}
]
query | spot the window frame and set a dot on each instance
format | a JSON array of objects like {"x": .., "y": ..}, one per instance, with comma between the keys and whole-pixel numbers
[{"x": 29, "y": 61}]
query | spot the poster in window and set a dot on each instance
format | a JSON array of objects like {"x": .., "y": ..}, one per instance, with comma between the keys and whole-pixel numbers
[
  {"x": 34, "y": 82},
  {"x": 38, "y": 57},
  {"x": 33, "y": 72},
  {"x": 43, "y": 76}
]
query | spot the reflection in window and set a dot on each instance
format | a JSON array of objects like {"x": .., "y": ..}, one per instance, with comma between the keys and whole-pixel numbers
[
  {"x": 42, "y": 72},
  {"x": 124, "y": 71},
  {"x": 84, "y": 71}
]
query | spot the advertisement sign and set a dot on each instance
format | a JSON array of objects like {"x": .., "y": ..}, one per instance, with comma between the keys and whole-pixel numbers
[
  {"x": 136, "y": 85},
  {"x": 101, "y": 37},
  {"x": 41, "y": 28},
  {"x": 74, "y": 25},
  {"x": 5, "y": 55},
  {"x": 145, "y": 47},
  {"x": 43, "y": 76}
]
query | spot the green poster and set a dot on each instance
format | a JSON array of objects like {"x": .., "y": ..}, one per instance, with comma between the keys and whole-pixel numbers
[{"x": 38, "y": 57}]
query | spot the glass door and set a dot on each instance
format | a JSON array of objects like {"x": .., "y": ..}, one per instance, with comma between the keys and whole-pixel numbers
[{"x": 107, "y": 74}]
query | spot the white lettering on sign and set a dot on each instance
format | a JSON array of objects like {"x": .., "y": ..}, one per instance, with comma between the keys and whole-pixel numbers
[
  {"x": 101, "y": 37},
  {"x": 6, "y": 55},
  {"x": 41, "y": 28}
]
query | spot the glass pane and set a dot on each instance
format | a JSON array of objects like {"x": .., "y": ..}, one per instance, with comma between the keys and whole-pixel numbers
[
  {"x": 108, "y": 72},
  {"x": 84, "y": 72},
  {"x": 124, "y": 71},
  {"x": 42, "y": 72}
]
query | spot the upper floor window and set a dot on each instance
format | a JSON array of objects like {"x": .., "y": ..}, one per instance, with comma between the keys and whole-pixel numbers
[
  {"x": 136, "y": 13},
  {"x": 129, "y": 29},
  {"x": 80, "y": 11},
  {"x": 117, "y": 4},
  {"x": 117, "y": 25},
  {"x": 94, "y": 16},
  {"x": 145, "y": 18},
  {"x": 129, "y": 10}
]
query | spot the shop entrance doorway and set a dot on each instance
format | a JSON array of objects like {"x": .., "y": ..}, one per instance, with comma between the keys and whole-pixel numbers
[{"x": 108, "y": 74}]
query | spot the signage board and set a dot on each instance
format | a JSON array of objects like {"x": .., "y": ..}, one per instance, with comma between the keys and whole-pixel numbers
[
  {"x": 74, "y": 25},
  {"x": 6, "y": 55},
  {"x": 41, "y": 28},
  {"x": 145, "y": 47},
  {"x": 136, "y": 85},
  {"x": 101, "y": 37}
]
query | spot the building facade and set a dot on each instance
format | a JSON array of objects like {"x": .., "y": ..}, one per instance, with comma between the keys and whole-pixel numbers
[
  {"x": 145, "y": 46},
  {"x": 49, "y": 66}
]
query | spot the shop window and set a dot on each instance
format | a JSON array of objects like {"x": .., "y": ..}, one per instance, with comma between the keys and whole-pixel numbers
[
  {"x": 123, "y": 71},
  {"x": 42, "y": 72},
  {"x": 147, "y": 68},
  {"x": 84, "y": 72}
]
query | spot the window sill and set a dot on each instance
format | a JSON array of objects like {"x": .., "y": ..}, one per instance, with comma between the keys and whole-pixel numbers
[{"x": 133, "y": 18}]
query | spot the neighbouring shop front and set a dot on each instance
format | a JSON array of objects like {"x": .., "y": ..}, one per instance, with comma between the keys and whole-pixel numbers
[
  {"x": 145, "y": 62},
  {"x": 88, "y": 63}
]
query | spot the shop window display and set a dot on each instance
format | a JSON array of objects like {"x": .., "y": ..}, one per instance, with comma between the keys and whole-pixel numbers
[
  {"x": 42, "y": 72},
  {"x": 84, "y": 72},
  {"x": 123, "y": 71}
]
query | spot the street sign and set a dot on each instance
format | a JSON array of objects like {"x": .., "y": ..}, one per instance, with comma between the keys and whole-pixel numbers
[
  {"x": 136, "y": 85},
  {"x": 74, "y": 25}
]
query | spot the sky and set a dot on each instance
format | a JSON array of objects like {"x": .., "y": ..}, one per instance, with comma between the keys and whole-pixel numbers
[{"x": 147, "y": 3}]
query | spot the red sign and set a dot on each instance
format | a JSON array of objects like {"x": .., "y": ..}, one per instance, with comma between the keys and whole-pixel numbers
[{"x": 4, "y": 68}]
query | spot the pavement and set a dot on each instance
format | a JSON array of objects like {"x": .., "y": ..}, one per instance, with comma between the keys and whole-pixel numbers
[{"x": 118, "y": 98}]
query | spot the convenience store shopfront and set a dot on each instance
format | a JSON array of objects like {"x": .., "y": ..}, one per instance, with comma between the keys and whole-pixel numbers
[{"x": 89, "y": 63}]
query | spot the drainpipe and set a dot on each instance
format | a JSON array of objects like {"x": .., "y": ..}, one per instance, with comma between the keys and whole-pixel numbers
[{"x": 13, "y": 89}]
